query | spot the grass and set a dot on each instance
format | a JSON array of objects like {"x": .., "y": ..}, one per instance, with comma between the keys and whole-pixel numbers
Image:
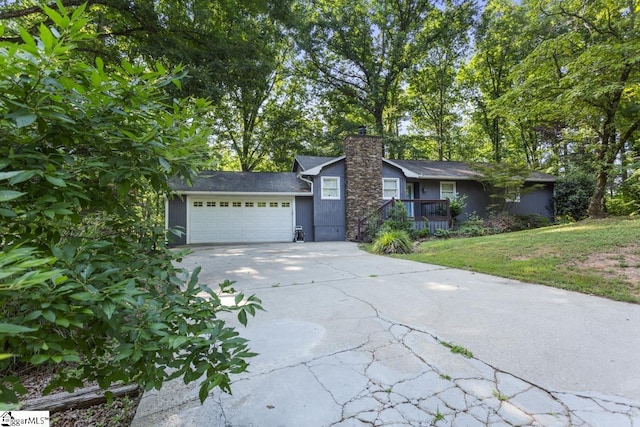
[{"x": 579, "y": 256}]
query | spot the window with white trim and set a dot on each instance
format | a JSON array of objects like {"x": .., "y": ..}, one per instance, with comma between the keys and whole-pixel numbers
[
  {"x": 390, "y": 188},
  {"x": 197, "y": 204},
  {"x": 447, "y": 190},
  {"x": 330, "y": 187}
]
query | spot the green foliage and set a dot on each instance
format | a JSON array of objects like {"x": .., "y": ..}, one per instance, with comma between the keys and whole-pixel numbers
[
  {"x": 505, "y": 183},
  {"x": 572, "y": 195},
  {"x": 442, "y": 233},
  {"x": 473, "y": 226},
  {"x": 424, "y": 232},
  {"x": 85, "y": 273},
  {"x": 626, "y": 201},
  {"x": 397, "y": 219},
  {"x": 361, "y": 50},
  {"x": 392, "y": 242},
  {"x": 457, "y": 205}
]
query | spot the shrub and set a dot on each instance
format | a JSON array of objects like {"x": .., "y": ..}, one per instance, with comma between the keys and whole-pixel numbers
[
  {"x": 470, "y": 230},
  {"x": 85, "y": 275},
  {"x": 457, "y": 205},
  {"x": 397, "y": 219},
  {"x": 392, "y": 242},
  {"x": 504, "y": 222},
  {"x": 525, "y": 222},
  {"x": 627, "y": 198},
  {"x": 442, "y": 233},
  {"x": 423, "y": 233},
  {"x": 572, "y": 195}
]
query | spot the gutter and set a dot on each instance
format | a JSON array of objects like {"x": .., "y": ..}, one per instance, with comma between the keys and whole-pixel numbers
[{"x": 307, "y": 181}]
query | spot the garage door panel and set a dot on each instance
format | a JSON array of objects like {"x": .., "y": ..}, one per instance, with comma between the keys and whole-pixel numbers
[{"x": 240, "y": 219}]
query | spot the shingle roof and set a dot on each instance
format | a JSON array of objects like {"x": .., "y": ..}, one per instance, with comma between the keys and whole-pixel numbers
[
  {"x": 425, "y": 169},
  {"x": 244, "y": 182},
  {"x": 454, "y": 170},
  {"x": 308, "y": 162}
]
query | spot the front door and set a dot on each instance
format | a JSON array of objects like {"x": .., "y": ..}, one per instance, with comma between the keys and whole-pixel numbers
[{"x": 408, "y": 191}]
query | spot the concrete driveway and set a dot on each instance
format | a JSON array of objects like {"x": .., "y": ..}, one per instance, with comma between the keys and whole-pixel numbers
[{"x": 354, "y": 339}]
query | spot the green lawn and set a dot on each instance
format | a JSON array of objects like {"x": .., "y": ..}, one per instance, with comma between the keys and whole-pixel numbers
[{"x": 599, "y": 257}]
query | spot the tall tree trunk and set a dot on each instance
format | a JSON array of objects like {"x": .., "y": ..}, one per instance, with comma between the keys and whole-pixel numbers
[{"x": 596, "y": 204}]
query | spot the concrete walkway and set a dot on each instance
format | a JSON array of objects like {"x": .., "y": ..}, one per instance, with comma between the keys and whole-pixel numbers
[{"x": 354, "y": 339}]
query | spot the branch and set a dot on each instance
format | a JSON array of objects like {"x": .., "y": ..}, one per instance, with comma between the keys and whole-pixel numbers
[{"x": 21, "y": 13}]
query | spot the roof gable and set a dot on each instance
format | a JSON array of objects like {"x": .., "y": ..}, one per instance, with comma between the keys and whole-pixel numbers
[{"x": 309, "y": 162}]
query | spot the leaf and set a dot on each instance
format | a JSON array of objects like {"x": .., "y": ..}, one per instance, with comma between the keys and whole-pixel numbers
[
  {"x": 58, "y": 182},
  {"x": 38, "y": 359},
  {"x": 7, "y": 175},
  {"x": 23, "y": 117},
  {"x": 55, "y": 16},
  {"x": 22, "y": 176},
  {"x": 108, "y": 308},
  {"x": 242, "y": 317},
  {"x": 11, "y": 329},
  {"x": 165, "y": 165},
  {"x": 7, "y": 212}
]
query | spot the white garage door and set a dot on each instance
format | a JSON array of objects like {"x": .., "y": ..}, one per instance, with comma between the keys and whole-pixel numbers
[{"x": 236, "y": 219}]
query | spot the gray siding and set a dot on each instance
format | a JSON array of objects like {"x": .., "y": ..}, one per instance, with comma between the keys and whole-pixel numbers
[
  {"x": 304, "y": 217},
  {"x": 177, "y": 218},
  {"x": 539, "y": 201},
  {"x": 329, "y": 215},
  {"x": 389, "y": 171}
]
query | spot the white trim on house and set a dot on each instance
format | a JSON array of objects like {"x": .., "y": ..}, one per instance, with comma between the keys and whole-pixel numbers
[
  {"x": 240, "y": 193},
  {"x": 396, "y": 194},
  {"x": 407, "y": 172},
  {"x": 323, "y": 196},
  {"x": 317, "y": 169},
  {"x": 453, "y": 193}
]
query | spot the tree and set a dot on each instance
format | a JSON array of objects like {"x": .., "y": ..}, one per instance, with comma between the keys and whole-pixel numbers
[
  {"x": 201, "y": 35},
  {"x": 587, "y": 71},
  {"x": 362, "y": 49},
  {"x": 86, "y": 276},
  {"x": 499, "y": 45},
  {"x": 433, "y": 93}
]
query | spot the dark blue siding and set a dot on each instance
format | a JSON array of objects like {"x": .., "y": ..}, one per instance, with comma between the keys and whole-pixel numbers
[
  {"x": 304, "y": 217},
  {"x": 538, "y": 201},
  {"x": 329, "y": 215},
  {"x": 177, "y": 218}
]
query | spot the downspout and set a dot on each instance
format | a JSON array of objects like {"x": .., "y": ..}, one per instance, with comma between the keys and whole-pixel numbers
[
  {"x": 307, "y": 181},
  {"x": 313, "y": 213}
]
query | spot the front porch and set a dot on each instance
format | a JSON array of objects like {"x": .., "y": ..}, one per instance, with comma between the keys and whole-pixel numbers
[{"x": 431, "y": 214}]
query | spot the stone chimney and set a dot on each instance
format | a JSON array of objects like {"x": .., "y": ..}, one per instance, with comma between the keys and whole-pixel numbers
[{"x": 363, "y": 179}]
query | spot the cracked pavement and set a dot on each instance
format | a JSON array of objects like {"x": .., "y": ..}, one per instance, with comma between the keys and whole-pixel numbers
[{"x": 354, "y": 339}]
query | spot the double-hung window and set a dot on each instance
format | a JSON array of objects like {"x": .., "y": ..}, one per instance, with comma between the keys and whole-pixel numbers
[
  {"x": 447, "y": 190},
  {"x": 390, "y": 188},
  {"x": 330, "y": 187}
]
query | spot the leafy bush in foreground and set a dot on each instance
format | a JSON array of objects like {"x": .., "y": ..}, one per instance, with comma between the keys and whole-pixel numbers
[{"x": 85, "y": 274}]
